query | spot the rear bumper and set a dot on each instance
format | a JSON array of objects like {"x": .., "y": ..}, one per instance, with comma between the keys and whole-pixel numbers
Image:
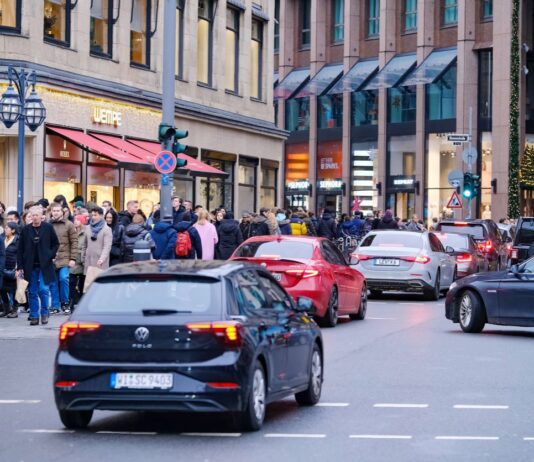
[{"x": 408, "y": 285}]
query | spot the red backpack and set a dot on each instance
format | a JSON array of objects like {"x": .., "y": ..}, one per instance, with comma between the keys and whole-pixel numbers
[{"x": 183, "y": 244}]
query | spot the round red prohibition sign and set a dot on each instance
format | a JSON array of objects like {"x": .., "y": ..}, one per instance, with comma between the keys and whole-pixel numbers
[{"x": 165, "y": 162}]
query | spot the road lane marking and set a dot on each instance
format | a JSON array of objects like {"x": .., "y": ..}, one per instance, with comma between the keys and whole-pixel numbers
[
  {"x": 467, "y": 438},
  {"x": 20, "y": 401},
  {"x": 381, "y": 319},
  {"x": 112, "y": 432},
  {"x": 528, "y": 438},
  {"x": 400, "y": 405},
  {"x": 332, "y": 404},
  {"x": 294, "y": 435},
  {"x": 215, "y": 435},
  {"x": 381, "y": 437},
  {"x": 479, "y": 406},
  {"x": 44, "y": 430}
]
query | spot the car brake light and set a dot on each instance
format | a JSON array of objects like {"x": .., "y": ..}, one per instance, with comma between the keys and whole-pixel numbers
[
  {"x": 229, "y": 332},
  {"x": 303, "y": 273},
  {"x": 514, "y": 253},
  {"x": 227, "y": 385},
  {"x": 464, "y": 258},
  {"x": 419, "y": 259},
  {"x": 66, "y": 384},
  {"x": 361, "y": 257},
  {"x": 70, "y": 329},
  {"x": 486, "y": 246}
]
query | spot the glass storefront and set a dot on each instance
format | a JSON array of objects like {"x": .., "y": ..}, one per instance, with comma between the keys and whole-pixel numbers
[
  {"x": 330, "y": 111},
  {"x": 298, "y": 114},
  {"x": 215, "y": 192},
  {"x": 269, "y": 184},
  {"x": 247, "y": 186},
  {"x": 62, "y": 178},
  {"x": 103, "y": 185},
  {"x": 296, "y": 175},
  {"x": 329, "y": 174},
  {"x": 364, "y": 108},
  {"x": 401, "y": 104},
  {"x": 142, "y": 187},
  {"x": 364, "y": 170},
  {"x": 486, "y": 174},
  {"x": 441, "y": 97},
  {"x": 400, "y": 196},
  {"x": 183, "y": 187}
]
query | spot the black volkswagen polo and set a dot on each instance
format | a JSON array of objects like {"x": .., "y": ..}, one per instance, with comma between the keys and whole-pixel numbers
[{"x": 186, "y": 336}]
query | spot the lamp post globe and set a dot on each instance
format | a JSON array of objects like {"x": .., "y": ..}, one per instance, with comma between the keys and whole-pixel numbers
[
  {"x": 35, "y": 111},
  {"x": 10, "y": 107}
]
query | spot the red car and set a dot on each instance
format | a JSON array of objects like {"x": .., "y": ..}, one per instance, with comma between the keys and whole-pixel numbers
[{"x": 310, "y": 267}]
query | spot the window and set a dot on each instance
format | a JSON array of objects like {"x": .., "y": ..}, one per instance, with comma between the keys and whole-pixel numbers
[
  {"x": 338, "y": 18},
  {"x": 298, "y": 114},
  {"x": 450, "y": 12},
  {"x": 485, "y": 77},
  {"x": 215, "y": 192},
  {"x": 247, "y": 186},
  {"x": 487, "y": 9},
  {"x": 231, "y": 61},
  {"x": 364, "y": 109},
  {"x": 441, "y": 97},
  {"x": 179, "y": 63},
  {"x": 279, "y": 298},
  {"x": 205, "y": 42},
  {"x": 256, "y": 64},
  {"x": 331, "y": 254},
  {"x": 268, "y": 186},
  {"x": 139, "y": 33},
  {"x": 101, "y": 29},
  {"x": 410, "y": 15},
  {"x": 435, "y": 243},
  {"x": 57, "y": 21},
  {"x": 373, "y": 15},
  {"x": 277, "y": 26},
  {"x": 330, "y": 111},
  {"x": 401, "y": 104},
  {"x": 305, "y": 23},
  {"x": 249, "y": 292},
  {"x": 10, "y": 14}
]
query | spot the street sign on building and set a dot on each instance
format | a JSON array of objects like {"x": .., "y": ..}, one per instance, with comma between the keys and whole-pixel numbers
[
  {"x": 454, "y": 202},
  {"x": 458, "y": 138}
]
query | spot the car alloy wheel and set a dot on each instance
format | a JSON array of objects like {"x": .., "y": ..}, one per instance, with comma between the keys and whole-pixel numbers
[
  {"x": 362, "y": 310},
  {"x": 312, "y": 394},
  {"x": 471, "y": 312},
  {"x": 466, "y": 310},
  {"x": 330, "y": 318},
  {"x": 316, "y": 373},
  {"x": 258, "y": 394}
]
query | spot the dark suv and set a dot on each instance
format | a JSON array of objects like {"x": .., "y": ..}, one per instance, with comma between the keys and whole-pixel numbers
[
  {"x": 487, "y": 236},
  {"x": 524, "y": 238}
]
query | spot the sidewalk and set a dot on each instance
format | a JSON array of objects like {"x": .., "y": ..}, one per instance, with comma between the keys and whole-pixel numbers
[{"x": 19, "y": 328}]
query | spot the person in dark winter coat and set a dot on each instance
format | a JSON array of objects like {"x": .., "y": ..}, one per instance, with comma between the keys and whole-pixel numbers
[
  {"x": 283, "y": 222},
  {"x": 2, "y": 267},
  {"x": 327, "y": 225},
  {"x": 230, "y": 237},
  {"x": 244, "y": 226},
  {"x": 134, "y": 232},
  {"x": 387, "y": 222},
  {"x": 196, "y": 244},
  {"x": 126, "y": 216},
  {"x": 112, "y": 220},
  {"x": 9, "y": 273},
  {"x": 259, "y": 226},
  {"x": 164, "y": 236},
  {"x": 38, "y": 246}
]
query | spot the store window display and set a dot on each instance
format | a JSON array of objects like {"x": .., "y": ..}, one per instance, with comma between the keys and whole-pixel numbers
[
  {"x": 142, "y": 187},
  {"x": 486, "y": 173}
]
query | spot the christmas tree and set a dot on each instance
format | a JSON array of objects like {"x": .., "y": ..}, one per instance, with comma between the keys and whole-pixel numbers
[{"x": 526, "y": 174}]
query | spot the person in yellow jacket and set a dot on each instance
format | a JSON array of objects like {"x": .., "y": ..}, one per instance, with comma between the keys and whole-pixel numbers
[{"x": 298, "y": 227}]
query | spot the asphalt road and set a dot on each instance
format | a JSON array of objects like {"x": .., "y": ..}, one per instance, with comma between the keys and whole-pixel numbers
[{"x": 403, "y": 385}]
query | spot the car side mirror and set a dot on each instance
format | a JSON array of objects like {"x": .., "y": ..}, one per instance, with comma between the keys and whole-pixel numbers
[
  {"x": 305, "y": 305},
  {"x": 449, "y": 250}
]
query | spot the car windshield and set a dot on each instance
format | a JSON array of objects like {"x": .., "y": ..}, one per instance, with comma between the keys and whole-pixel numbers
[
  {"x": 200, "y": 296},
  {"x": 276, "y": 249},
  {"x": 477, "y": 231},
  {"x": 525, "y": 234},
  {"x": 392, "y": 239},
  {"x": 456, "y": 241}
]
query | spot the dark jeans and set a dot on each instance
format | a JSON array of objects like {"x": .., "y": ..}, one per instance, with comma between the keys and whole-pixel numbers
[{"x": 76, "y": 282}]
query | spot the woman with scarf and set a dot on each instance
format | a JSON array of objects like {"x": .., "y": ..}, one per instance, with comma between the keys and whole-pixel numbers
[
  {"x": 97, "y": 242},
  {"x": 112, "y": 219}
]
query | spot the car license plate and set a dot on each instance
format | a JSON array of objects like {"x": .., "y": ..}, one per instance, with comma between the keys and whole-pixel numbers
[
  {"x": 277, "y": 276},
  {"x": 141, "y": 381},
  {"x": 387, "y": 262}
]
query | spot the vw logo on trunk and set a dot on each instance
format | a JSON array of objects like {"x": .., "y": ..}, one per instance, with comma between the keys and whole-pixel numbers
[{"x": 141, "y": 334}]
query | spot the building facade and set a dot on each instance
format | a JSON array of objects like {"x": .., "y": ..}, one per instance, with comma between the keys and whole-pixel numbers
[
  {"x": 370, "y": 91},
  {"x": 99, "y": 68}
]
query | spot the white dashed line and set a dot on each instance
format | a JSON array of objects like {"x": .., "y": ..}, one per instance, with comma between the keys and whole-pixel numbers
[
  {"x": 214, "y": 435},
  {"x": 479, "y": 406},
  {"x": 44, "y": 430},
  {"x": 467, "y": 438},
  {"x": 332, "y": 405},
  {"x": 20, "y": 401},
  {"x": 110, "y": 432},
  {"x": 294, "y": 435},
  {"x": 381, "y": 437},
  {"x": 528, "y": 438},
  {"x": 401, "y": 405}
]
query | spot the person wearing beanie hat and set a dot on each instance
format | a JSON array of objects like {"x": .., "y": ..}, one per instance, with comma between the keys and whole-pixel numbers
[{"x": 388, "y": 221}]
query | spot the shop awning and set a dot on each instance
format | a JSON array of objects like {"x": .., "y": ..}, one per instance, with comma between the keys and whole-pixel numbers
[
  {"x": 321, "y": 81},
  {"x": 196, "y": 167},
  {"x": 432, "y": 68},
  {"x": 276, "y": 78},
  {"x": 357, "y": 75},
  {"x": 123, "y": 145},
  {"x": 97, "y": 146},
  {"x": 292, "y": 82},
  {"x": 393, "y": 72}
]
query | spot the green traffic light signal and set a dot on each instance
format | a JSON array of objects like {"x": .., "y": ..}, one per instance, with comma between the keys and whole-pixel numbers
[{"x": 468, "y": 186}]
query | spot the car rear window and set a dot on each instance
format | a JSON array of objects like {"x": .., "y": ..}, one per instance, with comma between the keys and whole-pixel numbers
[
  {"x": 392, "y": 239},
  {"x": 200, "y": 296},
  {"x": 276, "y": 249},
  {"x": 456, "y": 241},
  {"x": 525, "y": 234},
  {"x": 477, "y": 231}
]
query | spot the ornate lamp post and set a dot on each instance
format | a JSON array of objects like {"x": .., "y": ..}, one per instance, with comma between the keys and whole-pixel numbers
[{"x": 17, "y": 105}]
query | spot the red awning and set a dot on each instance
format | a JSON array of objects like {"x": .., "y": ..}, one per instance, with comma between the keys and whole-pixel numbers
[
  {"x": 123, "y": 145},
  {"x": 97, "y": 146},
  {"x": 196, "y": 167}
]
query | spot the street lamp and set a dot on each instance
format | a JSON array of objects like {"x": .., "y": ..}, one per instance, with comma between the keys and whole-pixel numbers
[{"x": 17, "y": 106}]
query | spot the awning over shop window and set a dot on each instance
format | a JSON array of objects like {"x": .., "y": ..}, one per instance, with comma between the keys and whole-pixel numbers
[
  {"x": 432, "y": 67},
  {"x": 321, "y": 81},
  {"x": 393, "y": 72},
  {"x": 123, "y": 145},
  {"x": 196, "y": 167},
  {"x": 358, "y": 74},
  {"x": 292, "y": 82}
]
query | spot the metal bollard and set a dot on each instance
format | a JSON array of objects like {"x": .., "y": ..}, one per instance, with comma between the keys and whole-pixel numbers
[{"x": 141, "y": 251}]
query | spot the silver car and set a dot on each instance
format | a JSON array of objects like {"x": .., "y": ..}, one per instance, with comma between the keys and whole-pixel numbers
[{"x": 405, "y": 261}]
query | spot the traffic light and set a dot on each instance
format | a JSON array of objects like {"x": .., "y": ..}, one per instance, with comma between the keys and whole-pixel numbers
[
  {"x": 168, "y": 133},
  {"x": 471, "y": 185}
]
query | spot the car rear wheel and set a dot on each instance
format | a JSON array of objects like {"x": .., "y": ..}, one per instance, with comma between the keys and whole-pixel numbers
[
  {"x": 434, "y": 293},
  {"x": 362, "y": 310},
  {"x": 75, "y": 420},
  {"x": 312, "y": 395},
  {"x": 471, "y": 313},
  {"x": 252, "y": 417},
  {"x": 330, "y": 317}
]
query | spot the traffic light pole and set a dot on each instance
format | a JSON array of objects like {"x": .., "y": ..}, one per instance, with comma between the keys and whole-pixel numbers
[{"x": 168, "y": 85}]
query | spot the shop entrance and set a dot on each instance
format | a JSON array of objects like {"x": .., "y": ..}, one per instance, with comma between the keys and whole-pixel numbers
[
  {"x": 332, "y": 201},
  {"x": 294, "y": 201},
  {"x": 402, "y": 204}
]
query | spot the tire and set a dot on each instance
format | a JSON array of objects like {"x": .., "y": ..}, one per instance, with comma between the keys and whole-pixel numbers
[
  {"x": 471, "y": 312},
  {"x": 330, "y": 318},
  {"x": 376, "y": 293},
  {"x": 433, "y": 294},
  {"x": 75, "y": 420},
  {"x": 312, "y": 394},
  {"x": 362, "y": 310},
  {"x": 251, "y": 419}
]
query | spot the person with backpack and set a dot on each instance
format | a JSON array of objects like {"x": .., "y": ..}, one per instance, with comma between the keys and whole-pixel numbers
[
  {"x": 283, "y": 222},
  {"x": 298, "y": 227},
  {"x": 327, "y": 225},
  {"x": 188, "y": 242},
  {"x": 164, "y": 236},
  {"x": 259, "y": 226},
  {"x": 230, "y": 237},
  {"x": 134, "y": 232}
]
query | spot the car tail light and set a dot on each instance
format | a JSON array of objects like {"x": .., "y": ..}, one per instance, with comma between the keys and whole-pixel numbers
[
  {"x": 225, "y": 385},
  {"x": 419, "y": 259},
  {"x": 229, "y": 332},
  {"x": 70, "y": 329},
  {"x": 486, "y": 246},
  {"x": 66, "y": 384},
  {"x": 361, "y": 257},
  {"x": 464, "y": 258},
  {"x": 305, "y": 274},
  {"x": 514, "y": 253}
]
